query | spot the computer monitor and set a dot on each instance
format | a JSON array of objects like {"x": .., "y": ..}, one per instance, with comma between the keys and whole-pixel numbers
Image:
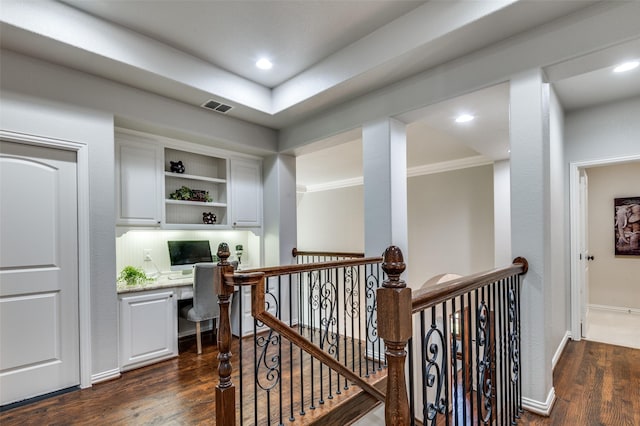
[{"x": 183, "y": 254}]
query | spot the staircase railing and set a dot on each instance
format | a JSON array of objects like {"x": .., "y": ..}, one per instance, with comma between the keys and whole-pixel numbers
[
  {"x": 462, "y": 338},
  {"x": 464, "y": 349},
  {"x": 314, "y": 335}
]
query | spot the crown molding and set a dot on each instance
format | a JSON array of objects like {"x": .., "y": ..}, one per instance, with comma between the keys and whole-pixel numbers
[{"x": 427, "y": 169}]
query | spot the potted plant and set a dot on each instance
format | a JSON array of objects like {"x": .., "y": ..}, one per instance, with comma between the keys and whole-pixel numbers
[{"x": 130, "y": 275}]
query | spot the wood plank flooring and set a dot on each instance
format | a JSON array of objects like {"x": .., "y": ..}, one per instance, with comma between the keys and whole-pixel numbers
[
  {"x": 595, "y": 384},
  {"x": 181, "y": 391}
]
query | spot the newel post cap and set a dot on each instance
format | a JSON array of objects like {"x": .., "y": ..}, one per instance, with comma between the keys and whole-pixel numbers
[
  {"x": 393, "y": 265},
  {"x": 223, "y": 254}
]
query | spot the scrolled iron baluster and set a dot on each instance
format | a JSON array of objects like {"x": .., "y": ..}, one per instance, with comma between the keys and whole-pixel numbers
[
  {"x": 328, "y": 338},
  {"x": 484, "y": 363},
  {"x": 513, "y": 338},
  {"x": 352, "y": 301},
  {"x": 269, "y": 363},
  {"x": 434, "y": 380}
]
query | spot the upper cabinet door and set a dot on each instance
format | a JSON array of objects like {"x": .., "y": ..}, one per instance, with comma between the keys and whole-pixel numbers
[
  {"x": 138, "y": 183},
  {"x": 246, "y": 193}
]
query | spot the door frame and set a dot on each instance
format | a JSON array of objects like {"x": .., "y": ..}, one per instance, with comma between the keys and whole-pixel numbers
[
  {"x": 577, "y": 282},
  {"x": 84, "y": 289}
]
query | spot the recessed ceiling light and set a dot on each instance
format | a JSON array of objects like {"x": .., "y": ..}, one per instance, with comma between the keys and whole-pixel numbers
[
  {"x": 627, "y": 66},
  {"x": 463, "y": 118},
  {"x": 264, "y": 64}
]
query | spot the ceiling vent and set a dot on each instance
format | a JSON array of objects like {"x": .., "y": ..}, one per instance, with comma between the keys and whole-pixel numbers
[{"x": 217, "y": 106}]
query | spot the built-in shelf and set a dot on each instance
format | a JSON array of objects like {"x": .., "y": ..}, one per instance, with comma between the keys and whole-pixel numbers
[
  {"x": 194, "y": 177},
  {"x": 204, "y": 173},
  {"x": 195, "y": 203}
]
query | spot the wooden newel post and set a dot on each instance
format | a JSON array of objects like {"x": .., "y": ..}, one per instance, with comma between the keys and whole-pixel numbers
[
  {"x": 225, "y": 390},
  {"x": 394, "y": 326}
]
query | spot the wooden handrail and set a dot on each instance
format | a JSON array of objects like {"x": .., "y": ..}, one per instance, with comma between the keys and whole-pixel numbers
[
  {"x": 431, "y": 296},
  {"x": 273, "y": 271},
  {"x": 295, "y": 252},
  {"x": 257, "y": 282}
]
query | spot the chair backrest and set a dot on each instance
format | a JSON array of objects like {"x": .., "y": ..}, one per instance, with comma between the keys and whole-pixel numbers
[{"x": 205, "y": 298}]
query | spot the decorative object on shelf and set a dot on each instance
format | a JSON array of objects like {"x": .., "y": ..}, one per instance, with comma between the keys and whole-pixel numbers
[
  {"x": 130, "y": 275},
  {"x": 209, "y": 218},
  {"x": 187, "y": 194},
  {"x": 200, "y": 195},
  {"x": 177, "y": 166},
  {"x": 239, "y": 252},
  {"x": 627, "y": 226}
]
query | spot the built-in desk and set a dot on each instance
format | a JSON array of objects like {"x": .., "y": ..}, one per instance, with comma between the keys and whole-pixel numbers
[
  {"x": 148, "y": 317},
  {"x": 149, "y": 325},
  {"x": 182, "y": 286}
]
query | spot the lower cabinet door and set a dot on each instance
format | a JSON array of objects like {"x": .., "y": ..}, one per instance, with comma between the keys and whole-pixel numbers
[{"x": 148, "y": 328}]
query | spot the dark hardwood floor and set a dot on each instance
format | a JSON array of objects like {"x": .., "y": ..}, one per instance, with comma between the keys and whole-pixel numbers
[
  {"x": 595, "y": 384},
  {"x": 181, "y": 391}
]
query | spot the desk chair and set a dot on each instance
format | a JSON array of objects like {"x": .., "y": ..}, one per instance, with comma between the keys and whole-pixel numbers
[{"x": 205, "y": 301}]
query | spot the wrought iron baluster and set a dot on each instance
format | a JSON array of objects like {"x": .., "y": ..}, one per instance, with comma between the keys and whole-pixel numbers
[
  {"x": 423, "y": 365},
  {"x": 240, "y": 364},
  {"x": 465, "y": 359},
  {"x": 455, "y": 330},
  {"x": 445, "y": 361},
  {"x": 519, "y": 398},
  {"x": 435, "y": 371},
  {"x": 302, "y": 285},
  {"x": 364, "y": 268},
  {"x": 471, "y": 363},
  {"x": 372, "y": 321},
  {"x": 501, "y": 351},
  {"x": 313, "y": 306},
  {"x": 279, "y": 315},
  {"x": 484, "y": 386},
  {"x": 412, "y": 399},
  {"x": 291, "y": 397}
]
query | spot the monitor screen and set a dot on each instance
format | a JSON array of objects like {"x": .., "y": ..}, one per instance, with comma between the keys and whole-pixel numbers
[{"x": 183, "y": 254}]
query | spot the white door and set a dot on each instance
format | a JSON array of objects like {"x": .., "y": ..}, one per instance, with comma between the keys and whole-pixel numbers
[
  {"x": 39, "y": 338},
  {"x": 584, "y": 251}
]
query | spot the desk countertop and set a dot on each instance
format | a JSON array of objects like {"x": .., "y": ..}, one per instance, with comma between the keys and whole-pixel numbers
[{"x": 159, "y": 284}]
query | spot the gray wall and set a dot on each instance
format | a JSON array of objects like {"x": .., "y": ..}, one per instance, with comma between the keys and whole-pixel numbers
[
  {"x": 602, "y": 132},
  {"x": 61, "y": 121},
  {"x": 450, "y": 220},
  {"x": 613, "y": 280},
  {"x": 332, "y": 220},
  {"x": 450, "y": 223},
  {"x": 43, "y": 99},
  {"x": 560, "y": 279}
]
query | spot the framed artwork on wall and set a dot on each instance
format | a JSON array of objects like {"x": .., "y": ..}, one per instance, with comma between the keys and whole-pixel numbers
[{"x": 627, "y": 226}]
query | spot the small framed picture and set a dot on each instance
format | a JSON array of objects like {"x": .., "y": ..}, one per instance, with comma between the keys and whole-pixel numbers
[{"x": 627, "y": 226}]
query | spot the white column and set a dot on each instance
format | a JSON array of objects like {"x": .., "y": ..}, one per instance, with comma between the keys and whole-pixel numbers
[
  {"x": 280, "y": 232},
  {"x": 502, "y": 213},
  {"x": 385, "y": 186},
  {"x": 530, "y": 231}
]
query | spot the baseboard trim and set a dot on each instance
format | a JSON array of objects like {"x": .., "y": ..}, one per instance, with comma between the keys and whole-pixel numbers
[
  {"x": 105, "y": 375},
  {"x": 619, "y": 309},
  {"x": 541, "y": 408},
  {"x": 560, "y": 349}
]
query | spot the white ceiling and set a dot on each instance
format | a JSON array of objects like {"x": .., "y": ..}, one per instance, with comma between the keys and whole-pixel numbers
[{"x": 325, "y": 52}]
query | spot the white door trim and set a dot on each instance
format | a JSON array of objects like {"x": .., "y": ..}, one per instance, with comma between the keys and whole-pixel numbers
[
  {"x": 84, "y": 288},
  {"x": 574, "y": 212}
]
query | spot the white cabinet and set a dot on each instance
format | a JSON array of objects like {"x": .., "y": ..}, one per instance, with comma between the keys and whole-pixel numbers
[
  {"x": 246, "y": 193},
  {"x": 148, "y": 328},
  {"x": 200, "y": 188},
  {"x": 151, "y": 193},
  {"x": 138, "y": 183}
]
